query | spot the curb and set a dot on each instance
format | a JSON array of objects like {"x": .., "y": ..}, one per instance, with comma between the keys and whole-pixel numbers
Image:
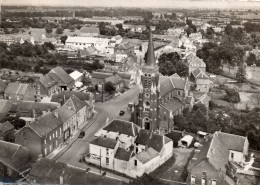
[{"x": 58, "y": 155}]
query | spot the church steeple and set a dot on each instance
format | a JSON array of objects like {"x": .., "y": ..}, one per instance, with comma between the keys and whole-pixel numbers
[{"x": 150, "y": 60}]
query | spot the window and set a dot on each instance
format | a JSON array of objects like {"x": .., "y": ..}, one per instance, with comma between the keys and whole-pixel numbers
[
  {"x": 107, "y": 151},
  {"x": 179, "y": 93},
  {"x": 56, "y": 133},
  {"x": 45, "y": 141},
  {"x": 135, "y": 162},
  {"x": 50, "y": 148},
  {"x": 60, "y": 131},
  {"x": 192, "y": 179},
  {"x": 53, "y": 135},
  {"x": 232, "y": 155},
  {"x": 214, "y": 182},
  {"x": 107, "y": 161},
  {"x": 50, "y": 137},
  {"x": 45, "y": 151},
  {"x": 203, "y": 181}
]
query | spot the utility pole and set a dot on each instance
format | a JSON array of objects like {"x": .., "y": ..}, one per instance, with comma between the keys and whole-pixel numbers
[{"x": 100, "y": 161}]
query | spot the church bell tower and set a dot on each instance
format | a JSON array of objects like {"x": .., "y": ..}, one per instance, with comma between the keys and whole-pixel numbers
[{"x": 149, "y": 95}]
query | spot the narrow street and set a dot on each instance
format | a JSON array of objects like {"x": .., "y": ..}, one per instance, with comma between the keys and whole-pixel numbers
[{"x": 108, "y": 109}]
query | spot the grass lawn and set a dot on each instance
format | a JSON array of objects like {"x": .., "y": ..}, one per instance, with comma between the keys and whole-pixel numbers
[{"x": 175, "y": 168}]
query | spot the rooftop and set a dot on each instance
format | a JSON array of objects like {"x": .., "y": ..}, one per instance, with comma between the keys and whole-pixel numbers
[{"x": 104, "y": 142}]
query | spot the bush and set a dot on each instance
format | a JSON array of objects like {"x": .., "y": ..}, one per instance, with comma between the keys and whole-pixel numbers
[{"x": 232, "y": 96}]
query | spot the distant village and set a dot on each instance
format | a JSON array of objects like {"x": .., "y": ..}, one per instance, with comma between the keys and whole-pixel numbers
[{"x": 118, "y": 101}]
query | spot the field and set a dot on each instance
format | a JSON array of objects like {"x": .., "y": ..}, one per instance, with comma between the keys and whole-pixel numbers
[{"x": 253, "y": 73}]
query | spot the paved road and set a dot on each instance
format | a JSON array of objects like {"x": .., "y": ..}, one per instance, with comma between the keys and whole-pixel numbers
[{"x": 108, "y": 109}]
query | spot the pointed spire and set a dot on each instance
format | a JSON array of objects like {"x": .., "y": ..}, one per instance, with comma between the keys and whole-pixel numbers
[{"x": 150, "y": 59}]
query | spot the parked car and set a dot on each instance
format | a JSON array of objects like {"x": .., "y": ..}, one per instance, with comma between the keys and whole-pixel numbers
[
  {"x": 82, "y": 134},
  {"x": 121, "y": 113}
]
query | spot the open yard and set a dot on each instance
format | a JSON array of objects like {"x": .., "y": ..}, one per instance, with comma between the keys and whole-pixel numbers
[
  {"x": 253, "y": 73},
  {"x": 175, "y": 168}
]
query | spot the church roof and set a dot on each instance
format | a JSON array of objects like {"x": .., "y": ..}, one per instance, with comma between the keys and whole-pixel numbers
[{"x": 150, "y": 60}]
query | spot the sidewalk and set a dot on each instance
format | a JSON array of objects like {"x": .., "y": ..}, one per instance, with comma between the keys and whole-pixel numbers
[{"x": 60, "y": 151}]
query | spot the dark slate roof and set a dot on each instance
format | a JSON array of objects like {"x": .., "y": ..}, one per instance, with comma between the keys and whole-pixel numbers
[
  {"x": 173, "y": 104},
  {"x": 45, "y": 124},
  {"x": 3, "y": 86},
  {"x": 147, "y": 155},
  {"x": 38, "y": 107},
  {"x": 214, "y": 152},
  {"x": 75, "y": 103},
  {"x": 198, "y": 73},
  {"x": 166, "y": 85},
  {"x": 6, "y": 126},
  {"x": 16, "y": 88},
  {"x": 232, "y": 142},
  {"x": 124, "y": 75},
  {"x": 100, "y": 75},
  {"x": 48, "y": 171},
  {"x": 63, "y": 75},
  {"x": 123, "y": 127},
  {"x": 47, "y": 81},
  {"x": 115, "y": 79},
  {"x": 65, "y": 112},
  {"x": 123, "y": 154},
  {"x": 124, "y": 46},
  {"x": 157, "y": 142},
  {"x": 142, "y": 137},
  {"x": 14, "y": 156},
  {"x": 175, "y": 135},
  {"x": 178, "y": 82},
  {"x": 104, "y": 142},
  {"x": 67, "y": 94},
  {"x": 150, "y": 60}
]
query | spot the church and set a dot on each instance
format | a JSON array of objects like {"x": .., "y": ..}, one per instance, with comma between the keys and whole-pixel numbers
[{"x": 160, "y": 97}]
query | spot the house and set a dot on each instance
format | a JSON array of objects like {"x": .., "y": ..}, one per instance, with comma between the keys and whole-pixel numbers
[
  {"x": 124, "y": 147},
  {"x": 48, "y": 171},
  {"x": 5, "y": 106},
  {"x": 6, "y": 131},
  {"x": 46, "y": 86},
  {"x": 83, "y": 114},
  {"x": 116, "y": 40},
  {"x": 14, "y": 161},
  {"x": 68, "y": 117},
  {"x": 63, "y": 96},
  {"x": 89, "y": 31},
  {"x": 100, "y": 78},
  {"x": 30, "y": 110},
  {"x": 210, "y": 163},
  {"x": 65, "y": 81},
  {"x": 177, "y": 31},
  {"x": 123, "y": 50},
  {"x": 195, "y": 62},
  {"x": 200, "y": 97},
  {"x": 77, "y": 76},
  {"x": 201, "y": 80},
  {"x": 3, "y": 86},
  {"x": 42, "y": 136},
  {"x": 19, "y": 91},
  {"x": 135, "y": 28},
  {"x": 84, "y": 42}
]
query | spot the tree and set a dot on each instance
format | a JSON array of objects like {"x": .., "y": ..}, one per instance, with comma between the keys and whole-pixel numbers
[
  {"x": 256, "y": 96},
  {"x": 48, "y": 29},
  {"x": 109, "y": 87},
  {"x": 228, "y": 29},
  {"x": 232, "y": 95},
  {"x": 241, "y": 74},
  {"x": 63, "y": 39},
  {"x": 59, "y": 30},
  {"x": 171, "y": 63},
  {"x": 119, "y": 26},
  {"x": 251, "y": 59}
]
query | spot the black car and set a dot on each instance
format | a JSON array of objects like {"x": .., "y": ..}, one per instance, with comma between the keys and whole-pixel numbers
[
  {"x": 121, "y": 113},
  {"x": 82, "y": 134}
]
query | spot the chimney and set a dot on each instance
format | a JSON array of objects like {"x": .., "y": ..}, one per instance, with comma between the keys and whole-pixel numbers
[{"x": 87, "y": 170}]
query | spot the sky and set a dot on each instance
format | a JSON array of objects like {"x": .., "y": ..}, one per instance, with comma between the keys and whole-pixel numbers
[{"x": 135, "y": 3}]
